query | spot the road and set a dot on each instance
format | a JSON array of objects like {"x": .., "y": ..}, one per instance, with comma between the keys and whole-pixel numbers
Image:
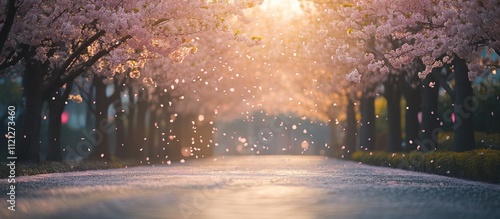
[{"x": 252, "y": 187}]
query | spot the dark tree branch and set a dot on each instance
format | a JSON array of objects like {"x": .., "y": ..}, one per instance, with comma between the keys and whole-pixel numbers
[
  {"x": 65, "y": 95},
  {"x": 117, "y": 91},
  {"x": 59, "y": 15},
  {"x": 58, "y": 73},
  {"x": 83, "y": 67},
  {"x": 11, "y": 10},
  {"x": 87, "y": 97},
  {"x": 10, "y": 61},
  {"x": 444, "y": 84}
]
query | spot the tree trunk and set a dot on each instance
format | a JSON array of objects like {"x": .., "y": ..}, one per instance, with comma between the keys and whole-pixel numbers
[
  {"x": 350, "y": 130},
  {"x": 464, "y": 105},
  {"x": 103, "y": 128},
  {"x": 139, "y": 131},
  {"x": 412, "y": 127},
  {"x": 33, "y": 93},
  {"x": 393, "y": 97},
  {"x": 54, "y": 150},
  {"x": 131, "y": 148},
  {"x": 56, "y": 102},
  {"x": 367, "y": 129},
  {"x": 121, "y": 141},
  {"x": 430, "y": 123},
  {"x": 153, "y": 146},
  {"x": 164, "y": 126},
  {"x": 167, "y": 127},
  {"x": 334, "y": 147},
  {"x": 204, "y": 136},
  {"x": 175, "y": 145}
]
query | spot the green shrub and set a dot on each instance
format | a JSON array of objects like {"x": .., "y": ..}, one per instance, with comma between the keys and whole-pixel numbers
[
  {"x": 480, "y": 164},
  {"x": 482, "y": 140},
  {"x": 45, "y": 167}
]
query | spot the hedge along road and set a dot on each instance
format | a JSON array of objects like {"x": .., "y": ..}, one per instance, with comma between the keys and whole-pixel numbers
[{"x": 252, "y": 187}]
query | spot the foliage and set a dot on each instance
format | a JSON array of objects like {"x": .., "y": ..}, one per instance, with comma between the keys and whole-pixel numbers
[
  {"x": 479, "y": 164},
  {"x": 26, "y": 169},
  {"x": 483, "y": 140},
  {"x": 278, "y": 75}
]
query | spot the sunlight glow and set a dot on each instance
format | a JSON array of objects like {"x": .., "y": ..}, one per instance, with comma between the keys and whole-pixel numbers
[{"x": 283, "y": 8}]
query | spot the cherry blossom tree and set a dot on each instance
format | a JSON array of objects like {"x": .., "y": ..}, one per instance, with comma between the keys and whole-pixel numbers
[
  {"x": 333, "y": 96},
  {"x": 228, "y": 80},
  {"x": 204, "y": 85},
  {"x": 354, "y": 51},
  {"x": 447, "y": 32},
  {"x": 435, "y": 32},
  {"x": 60, "y": 40}
]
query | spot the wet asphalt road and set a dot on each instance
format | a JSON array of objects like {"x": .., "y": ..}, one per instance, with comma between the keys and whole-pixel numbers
[{"x": 251, "y": 187}]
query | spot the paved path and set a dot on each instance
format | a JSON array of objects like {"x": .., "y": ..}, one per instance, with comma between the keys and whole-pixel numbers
[{"x": 252, "y": 187}]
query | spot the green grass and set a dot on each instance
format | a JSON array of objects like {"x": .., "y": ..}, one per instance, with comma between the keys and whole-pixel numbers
[
  {"x": 25, "y": 169},
  {"x": 479, "y": 165}
]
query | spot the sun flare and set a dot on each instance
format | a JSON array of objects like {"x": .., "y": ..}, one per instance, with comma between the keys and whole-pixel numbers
[{"x": 284, "y": 8}]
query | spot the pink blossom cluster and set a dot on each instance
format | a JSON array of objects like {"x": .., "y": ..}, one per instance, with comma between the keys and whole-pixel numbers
[
  {"x": 396, "y": 33},
  {"x": 72, "y": 33}
]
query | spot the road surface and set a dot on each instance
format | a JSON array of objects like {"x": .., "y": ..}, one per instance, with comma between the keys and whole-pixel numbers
[{"x": 252, "y": 187}]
